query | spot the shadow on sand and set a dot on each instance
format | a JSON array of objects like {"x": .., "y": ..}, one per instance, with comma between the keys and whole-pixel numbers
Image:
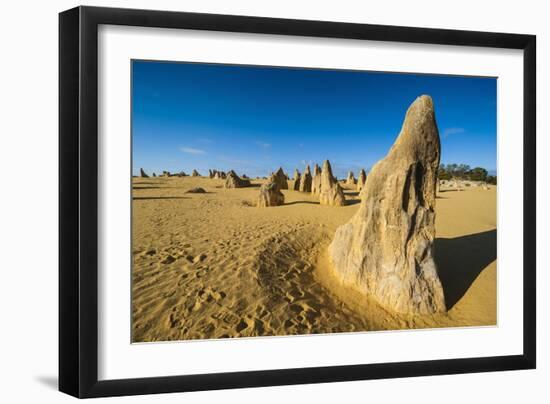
[
  {"x": 461, "y": 259},
  {"x": 145, "y": 198},
  {"x": 305, "y": 202},
  {"x": 136, "y": 188}
]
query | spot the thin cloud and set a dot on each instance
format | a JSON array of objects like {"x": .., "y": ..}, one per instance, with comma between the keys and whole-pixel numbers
[
  {"x": 191, "y": 150},
  {"x": 263, "y": 144},
  {"x": 205, "y": 140},
  {"x": 452, "y": 131},
  {"x": 230, "y": 160}
]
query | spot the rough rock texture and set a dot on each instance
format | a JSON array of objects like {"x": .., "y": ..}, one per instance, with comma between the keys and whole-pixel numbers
[
  {"x": 361, "y": 180},
  {"x": 281, "y": 178},
  {"x": 296, "y": 178},
  {"x": 331, "y": 192},
  {"x": 270, "y": 195},
  {"x": 386, "y": 249},
  {"x": 316, "y": 181},
  {"x": 195, "y": 173},
  {"x": 305, "y": 181},
  {"x": 351, "y": 179},
  {"x": 142, "y": 173},
  {"x": 233, "y": 181}
]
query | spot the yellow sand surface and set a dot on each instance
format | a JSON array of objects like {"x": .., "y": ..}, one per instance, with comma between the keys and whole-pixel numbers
[{"x": 212, "y": 265}]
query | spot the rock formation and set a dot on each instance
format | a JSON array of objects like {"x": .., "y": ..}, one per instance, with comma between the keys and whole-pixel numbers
[
  {"x": 281, "y": 179},
  {"x": 331, "y": 192},
  {"x": 386, "y": 249},
  {"x": 197, "y": 190},
  {"x": 316, "y": 181},
  {"x": 233, "y": 181},
  {"x": 270, "y": 195},
  {"x": 142, "y": 173},
  {"x": 154, "y": 175},
  {"x": 195, "y": 173},
  {"x": 351, "y": 179},
  {"x": 361, "y": 180},
  {"x": 296, "y": 180},
  {"x": 305, "y": 181},
  {"x": 219, "y": 175},
  {"x": 165, "y": 174}
]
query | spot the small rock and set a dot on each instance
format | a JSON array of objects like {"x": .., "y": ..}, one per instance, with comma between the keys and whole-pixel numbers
[{"x": 197, "y": 190}]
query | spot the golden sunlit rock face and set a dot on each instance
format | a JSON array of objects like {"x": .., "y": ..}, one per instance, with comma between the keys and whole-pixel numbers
[
  {"x": 270, "y": 195},
  {"x": 386, "y": 250},
  {"x": 331, "y": 192}
]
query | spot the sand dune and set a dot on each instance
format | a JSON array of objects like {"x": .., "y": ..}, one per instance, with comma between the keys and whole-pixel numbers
[{"x": 212, "y": 265}]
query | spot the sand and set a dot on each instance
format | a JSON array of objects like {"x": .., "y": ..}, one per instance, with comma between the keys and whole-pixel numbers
[{"x": 213, "y": 265}]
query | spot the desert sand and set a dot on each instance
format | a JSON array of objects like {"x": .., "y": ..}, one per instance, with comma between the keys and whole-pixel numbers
[{"x": 213, "y": 265}]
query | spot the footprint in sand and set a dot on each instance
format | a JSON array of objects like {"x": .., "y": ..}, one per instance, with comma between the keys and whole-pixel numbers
[
  {"x": 199, "y": 258},
  {"x": 168, "y": 260},
  {"x": 208, "y": 294}
]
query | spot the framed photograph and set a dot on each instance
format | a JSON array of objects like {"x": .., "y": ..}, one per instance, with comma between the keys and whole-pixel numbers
[{"x": 251, "y": 201}]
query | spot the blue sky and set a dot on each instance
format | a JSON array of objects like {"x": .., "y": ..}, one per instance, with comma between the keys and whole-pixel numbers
[{"x": 251, "y": 119}]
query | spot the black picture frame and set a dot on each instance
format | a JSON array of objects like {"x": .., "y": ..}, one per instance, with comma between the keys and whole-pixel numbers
[{"x": 78, "y": 201}]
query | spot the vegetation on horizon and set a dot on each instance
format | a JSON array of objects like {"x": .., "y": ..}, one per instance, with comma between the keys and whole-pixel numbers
[{"x": 464, "y": 172}]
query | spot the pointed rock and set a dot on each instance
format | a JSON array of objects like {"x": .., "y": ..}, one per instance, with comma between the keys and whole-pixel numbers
[
  {"x": 281, "y": 178},
  {"x": 219, "y": 175},
  {"x": 270, "y": 195},
  {"x": 142, "y": 173},
  {"x": 386, "y": 249},
  {"x": 305, "y": 181},
  {"x": 316, "y": 181},
  {"x": 361, "y": 180},
  {"x": 233, "y": 181},
  {"x": 296, "y": 178},
  {"x": 154, "y": 175},
  {"x": 331, "y": 192},
  {"x": 195, "y": 173},
  {"x": 351, "y": 179}
]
